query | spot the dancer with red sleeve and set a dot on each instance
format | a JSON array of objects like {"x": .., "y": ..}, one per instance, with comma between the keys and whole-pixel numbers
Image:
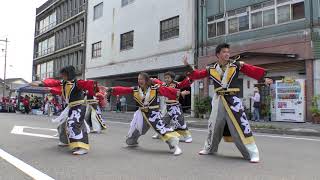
[
  {"x": 228, "y": 118},
  {"x": 73, "y": 131},
  {"x": 173, "y": 106},
  {"x": 148, "y": 115}
]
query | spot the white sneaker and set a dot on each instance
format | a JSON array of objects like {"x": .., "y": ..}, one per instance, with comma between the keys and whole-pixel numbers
[
  {"x": 177, "y": 151},
  {"x": 80, "y": 151},
  {"x": 187, "y": 139},
  {"x": 174, "y": 142},
  {"x": 255, "y": 160},
  {"x": 254, "y": 152},
  {"x": 62, "y": 144},
  {"x": 204, "y": 152},
  {"x": 156, "y": 136}
]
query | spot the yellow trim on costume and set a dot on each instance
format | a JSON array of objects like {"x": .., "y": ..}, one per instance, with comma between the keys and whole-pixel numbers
[
  {"x": 184, "y": 132},
  {"x": 227, "y": 138},
  {"x": 214, "y": 73},
  {"x": 153, "y": 94},
  {"x": 169, "y": 136},
  {"x": 231, "y": 71},
  {"x": 165, "y": 137},
  {"x": 92, "y": 101},
  {"x": 79, "y": 145},
  {"x": 76, "y": 103},
  {"x": 137, "y": 97},
  {"x": 98, "y": 118},
  {"x": 67, "y": 89},
  {"x": 245, "y": 140},
  {"x": 147, "y": 108}
]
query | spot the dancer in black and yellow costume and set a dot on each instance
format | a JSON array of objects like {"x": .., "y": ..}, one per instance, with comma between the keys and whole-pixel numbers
[
  {"x": 148, "y": 115},
  {"x": 72, "y": 132}
]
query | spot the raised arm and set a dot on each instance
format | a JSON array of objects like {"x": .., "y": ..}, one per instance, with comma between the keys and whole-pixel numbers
[
  {"x": 198, "y": 74},
  {"x": 89, "y": 85},
  {"x": 156, "y": 81},
  {"x": 185, "y": 83},
  {"x": 168, "y": 92},
  {"x": 194, "y": 74},
  {"x": 254, "y": 72},
  {"x": 56, "y": 90},
  {"x": 50, "y": 83},
  {"x": 120, "y": 90}
]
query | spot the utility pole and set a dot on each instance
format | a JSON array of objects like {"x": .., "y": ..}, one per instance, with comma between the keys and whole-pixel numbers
[{"x": 5, "y": 66}]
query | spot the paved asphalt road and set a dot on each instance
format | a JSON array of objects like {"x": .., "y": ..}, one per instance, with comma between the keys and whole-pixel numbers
[{"x": 283, "y": 157}]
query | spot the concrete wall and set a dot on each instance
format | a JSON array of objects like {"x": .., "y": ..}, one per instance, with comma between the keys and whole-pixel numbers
[{"x": 148, "y": 52}]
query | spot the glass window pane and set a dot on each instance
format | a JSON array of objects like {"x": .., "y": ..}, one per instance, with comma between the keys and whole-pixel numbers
[
  {"x": 212, "y": 30},
  {"x": 221, "y": 28},
  {"x": 233, "y": 25},
  {"x": 243, "y": 23},
  {"x": 256, "y": 20},
  {"x": 283, "y": 14},
  {"x": 268, "y": 17},
  {"x": 298, "y": 11}
]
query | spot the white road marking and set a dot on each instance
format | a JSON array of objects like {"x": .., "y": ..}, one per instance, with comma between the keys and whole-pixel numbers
[
  {"x": 256, "y": 134},
  {"x": 27, "y": 169},
  {"x": 19, "y": 130}
]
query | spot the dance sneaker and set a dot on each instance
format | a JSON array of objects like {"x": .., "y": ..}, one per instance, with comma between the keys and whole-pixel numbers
[
  {"x": 174, "y": 142},
  {"x": 253, "y": 152},
  {"x": 204, "y": 152},
  {"x": 62, "y": 144},
  {"x": 187, "y": 139},
  {"x": 255, "y": 160},
  {"x": 156, "y": 136},
  {"x": 80, "y": 151}
]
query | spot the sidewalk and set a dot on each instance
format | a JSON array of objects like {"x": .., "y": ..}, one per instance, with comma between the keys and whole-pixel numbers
[{"x": 301, "y": 129}]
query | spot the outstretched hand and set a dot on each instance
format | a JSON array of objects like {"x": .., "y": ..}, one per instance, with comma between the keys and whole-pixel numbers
[{"x": 185, "y": 60}]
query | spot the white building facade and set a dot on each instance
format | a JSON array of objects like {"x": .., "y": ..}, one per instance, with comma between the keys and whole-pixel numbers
[{"x": 125, "y": 37}]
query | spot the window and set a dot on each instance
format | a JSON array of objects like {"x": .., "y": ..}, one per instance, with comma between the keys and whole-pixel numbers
[
  {"x": 268, "y": 17},
  {"x": 126, "y": 40},
  {"x": 169, "y": 28},
  {"x": 126, "y": 2},
  {"x": 238, "y": 20},
  {"x": 46, "y": 46},
  {"x": 96, "y": 50},
  {"x": 298, "y": 11},
  {"x": 261, "y": 15},
  {"x": 256, "y": 20},
  {"x": 283, "y": 14},
  {"x": 216, "y": 26},
  {"x": 233, "y": 25},
  {"x": 49, "y": 69},
  {"x": 97, "y": 11},
  {"x": 243, "y": 23},
  {"x": 47, "y": 23}
]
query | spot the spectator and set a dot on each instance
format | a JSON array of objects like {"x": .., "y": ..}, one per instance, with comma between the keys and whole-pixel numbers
[
  {"x": 123, "y": 102},
  {"x": 256, "y": 104},
  {"x": 118, "y": 104},
  {"x": 26, "y": 104}
]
